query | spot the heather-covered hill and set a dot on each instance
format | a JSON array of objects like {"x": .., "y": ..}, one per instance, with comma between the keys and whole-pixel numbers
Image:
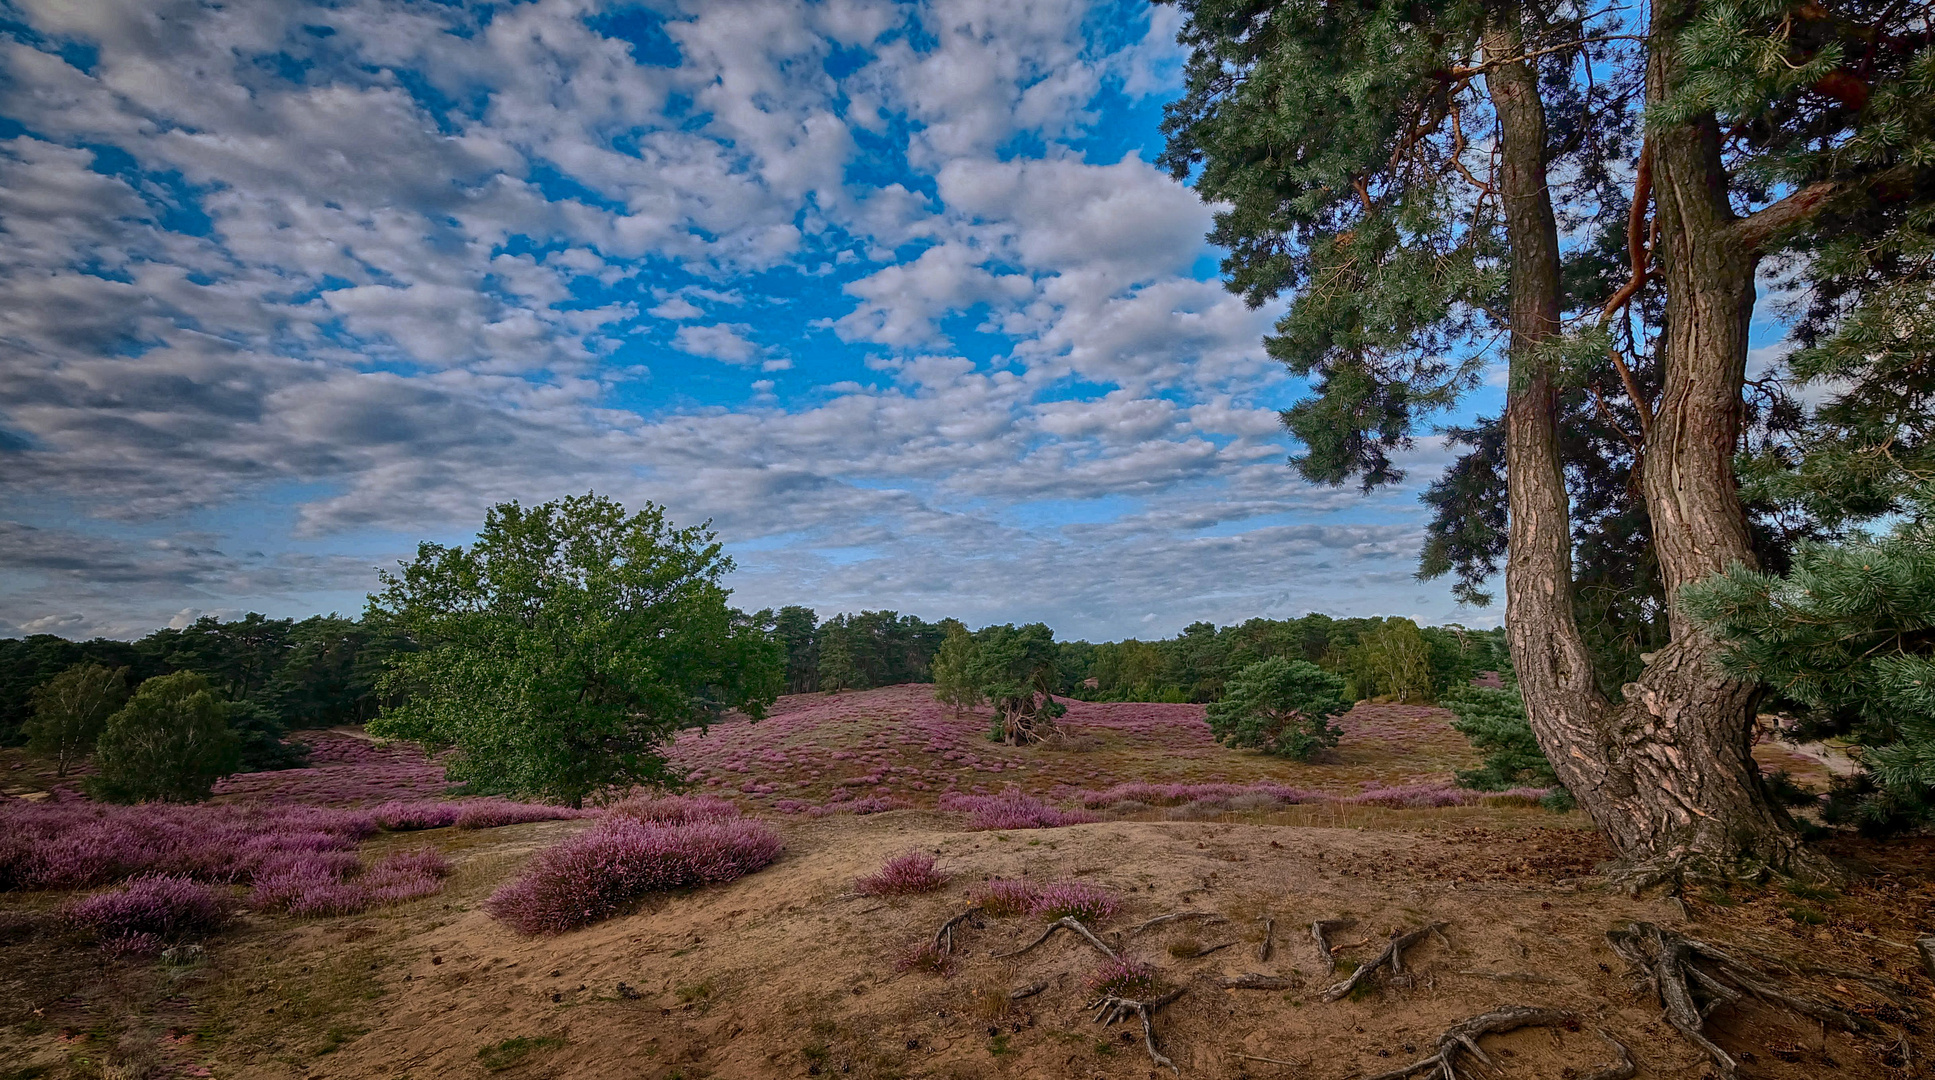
[{"x": 354, "y": 935}]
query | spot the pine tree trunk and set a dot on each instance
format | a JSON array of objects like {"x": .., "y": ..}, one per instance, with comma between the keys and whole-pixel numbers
[{"x": 1667, "y": 774}]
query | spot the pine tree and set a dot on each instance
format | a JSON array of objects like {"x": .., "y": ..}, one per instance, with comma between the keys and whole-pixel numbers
[
  {"x": 1341, "y": 139},
  {"x": 1843, "y": 644},
  {"x": 1281, "y": 707}
]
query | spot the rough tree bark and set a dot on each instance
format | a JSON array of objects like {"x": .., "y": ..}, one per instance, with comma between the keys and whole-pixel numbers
[{"x": 1666, "y": 774}]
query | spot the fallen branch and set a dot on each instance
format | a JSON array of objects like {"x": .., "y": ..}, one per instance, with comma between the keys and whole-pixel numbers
[
  {"x": 1273, "y": 1061},
  {"x": 1066, "y": 922},
  {"x": 944, "y": 937},
  {"x": 1320, "y": 932},
  {"x": 1462, "y": 1038},
  {"x": 1207, "y": 949},
  {"x": 1254, "y": 980},
  {"x": 1112, "y": 1009},
  {"x": 1174, "y": 916},
  {"x": 1392, "y": 957},
  {"x": 1673, "y": 964}
]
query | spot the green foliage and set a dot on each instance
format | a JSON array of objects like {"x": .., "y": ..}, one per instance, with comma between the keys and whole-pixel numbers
[
  {"x": 1393, "y": 661},
  {"x": 1843, "y": 643},
  {"x": 71, "y": 710},
  {"x": 169, "y": 743},
  {"x": 1282, "y": 707},
  {"x": 796, "y": 630},
  {"x": 1015, "y": 669},
  {"x": 1495, "y": 723},
  {"x": 952, "y": 664},
  {"x": 875, "y": 648},
  {"x": 560, "y": 651}
]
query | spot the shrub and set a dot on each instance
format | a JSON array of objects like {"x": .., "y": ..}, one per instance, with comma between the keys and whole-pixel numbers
[
  {"x": 1123, "y": 978},
  {"x": 1012, "y": 809},
  {"x": 169, "y": 743},
  {"x": 913, "y": 872},
  {"x": 1282, "y": 707},
  {"x": 1495, "y": 723},
  {"x": 676, "y": 809},
  {"x": 595, "y": 874},
  {"x": 494, "y": 813},
  {"x": 1003, "y": 897},
  {"x": 150, "y": 912},
  {"x": 1086, "y": 902},
  {"x": 339, "y": 884}
]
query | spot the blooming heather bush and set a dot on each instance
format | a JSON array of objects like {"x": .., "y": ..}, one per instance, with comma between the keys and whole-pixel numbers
[
  {"x": 493, "y": 813},
  {"x": 1086, "y": 902},
  {"x": 1121, "y": 977},
  {"x": 150, "y": 912},
  {"x": 877, "y": 805},
  {"x": 676, "y": 809},
  {"x": 74, "y": 845},
  {"x": 398, "y": 816},
  {"x": 595, "y": 874},
  {"x": 340, "y": 885},
  {"x": 913, "y": 872},
  {"x": 1012, "y": 809},
  {"x": 1003, "y": 897},
  {"x": 1414, "y": 796}
]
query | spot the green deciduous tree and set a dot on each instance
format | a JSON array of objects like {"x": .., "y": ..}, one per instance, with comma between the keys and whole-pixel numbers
[
  {"x": 169, "y": 743},
  {"x": 1282, "y": 707},
  {"x": 953, "y": 684},
  {"x": 70, "y": 711},
  {"x": 1393, "y": 661},
  {"x": 560, "y": 651}
]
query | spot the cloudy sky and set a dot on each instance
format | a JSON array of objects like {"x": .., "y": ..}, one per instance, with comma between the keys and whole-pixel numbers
[{"x": 889, "y": 292}]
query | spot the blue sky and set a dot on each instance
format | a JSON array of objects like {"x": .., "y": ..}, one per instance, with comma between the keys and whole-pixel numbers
[{"x": 890, "y": 293}]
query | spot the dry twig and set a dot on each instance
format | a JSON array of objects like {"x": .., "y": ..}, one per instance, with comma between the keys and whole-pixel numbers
[
  {"x": 1175, "y": 916},
  {"x": 1256, "y": 980}
]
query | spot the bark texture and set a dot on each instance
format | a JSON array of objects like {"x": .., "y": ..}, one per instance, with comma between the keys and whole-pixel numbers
[{"x": 1666, "y": 774}]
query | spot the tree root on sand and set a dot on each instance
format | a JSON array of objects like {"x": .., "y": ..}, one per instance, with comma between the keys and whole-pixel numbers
[
  {"x": 1269, "y": 942},
  {"x": 1392, "y": 957},
  {"x": 1320, "y": 932},
  {"x": 944, "y": 937},
  {"x": 1111, "y": 1009},
  {"x": 1210, "y": 917},
  {"x": 1683, "y": 971},
  {"x": 1255, "y": 980},
  {"x": 1066, "y": 922},
  {"x": 1462, "y": 1038}
]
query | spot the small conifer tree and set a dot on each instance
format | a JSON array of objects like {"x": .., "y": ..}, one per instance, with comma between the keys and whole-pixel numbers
[{"x": 1280, "y": 706}]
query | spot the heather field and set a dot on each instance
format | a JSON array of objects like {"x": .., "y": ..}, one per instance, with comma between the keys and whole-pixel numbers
[{"x": 844, "y": 890}]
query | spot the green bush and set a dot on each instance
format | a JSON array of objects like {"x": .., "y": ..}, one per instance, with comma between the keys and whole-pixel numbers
[
  {"x": 1282, "y": 707},
  {"x": 170, "y": 743}
]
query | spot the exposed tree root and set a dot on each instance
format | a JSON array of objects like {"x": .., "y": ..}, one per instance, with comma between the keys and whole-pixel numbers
[
  {"x": 1111, "y": 1009},
  {"x": 1066, "y": 922},
  {"x": 1254, "y": 980},
  {"x": 1207, "y": 949},
  {"x": 1174, "y": 916},
  {"x": 1462, "y": 1038},
  {"x": 1269, "y": 942},
  {"x": 1320, "y": 932},
  {"x": 1683, "y": 971},
  {"x": 944, "y": 937},
  {"x": 1392, "y": 957},
  {"x": 1022, "y": 993}
]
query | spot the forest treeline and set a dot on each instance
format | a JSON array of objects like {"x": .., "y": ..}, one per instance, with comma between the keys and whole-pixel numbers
[{"x": 282, "y": 675}]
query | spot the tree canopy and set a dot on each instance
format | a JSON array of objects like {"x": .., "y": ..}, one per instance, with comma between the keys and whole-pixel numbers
[
  {"x": 1282, "y": 707},
  {"x": 559, "y": 652}
]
